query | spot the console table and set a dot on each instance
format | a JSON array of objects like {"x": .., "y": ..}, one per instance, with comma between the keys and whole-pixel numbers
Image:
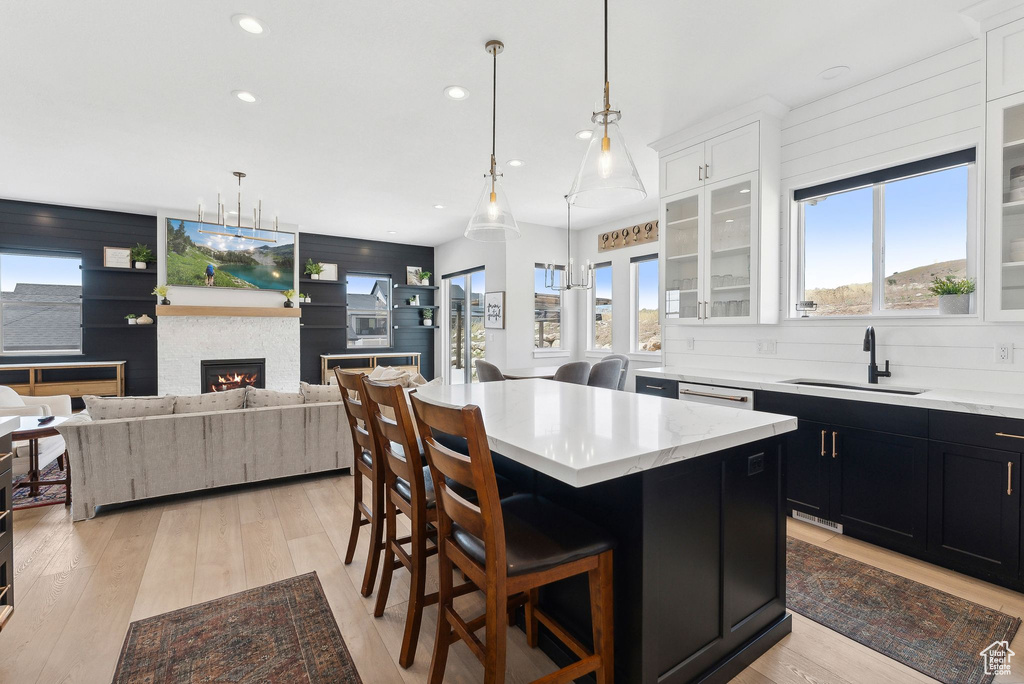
[
  {"x": 371, "y": 362},
  {"x": 37, "y": 386}
]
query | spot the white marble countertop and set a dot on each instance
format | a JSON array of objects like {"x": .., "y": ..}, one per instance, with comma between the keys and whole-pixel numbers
[
  {"x": 584, "y": 435},
  {"x": 1001, "y": 404}
]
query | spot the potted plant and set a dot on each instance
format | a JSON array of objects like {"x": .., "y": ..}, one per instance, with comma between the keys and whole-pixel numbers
[
  {"x": 413, "y": 301},
  {"x": 161, "y": 291},
  {"x": 424, "y": 277},
  {"x": 428, "y": 317},
  {"x": 141, "y": 255},
  {"x": 131, "y": 319},
  {"x": 313, "y": 270},
  {"x": 288, "y": 294},
  {"x": 954, "y": 294},
  {"x": 304, "y": 298}
]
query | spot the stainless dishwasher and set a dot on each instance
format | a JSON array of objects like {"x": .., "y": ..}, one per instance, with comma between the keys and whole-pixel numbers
[{"x": 719, "y": 396}]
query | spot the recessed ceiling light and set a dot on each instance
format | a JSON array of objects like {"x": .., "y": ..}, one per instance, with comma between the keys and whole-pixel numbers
[
  {"x": 439, "y": 206},
  {"x": 744, "y": 191},
  {"x": 248, "y": 24},
  {"x": 392, "y": 232},
  {"x": 729, "y": 220},
  {"x": 456, "y": 92},
  {"x": 585, "y": 134},
  {"x": 833, "y": 73},
  {"x": 515, "y": 162},
  {"x": 244, "y": 95}
]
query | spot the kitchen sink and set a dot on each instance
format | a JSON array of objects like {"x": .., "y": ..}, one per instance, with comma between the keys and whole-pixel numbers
[{"x": 864, "y": 387}]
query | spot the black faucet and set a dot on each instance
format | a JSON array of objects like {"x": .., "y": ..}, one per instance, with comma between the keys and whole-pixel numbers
[{"x": 869, "y": 346}]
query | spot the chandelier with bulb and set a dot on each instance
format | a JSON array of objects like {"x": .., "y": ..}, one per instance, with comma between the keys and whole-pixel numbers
[
  {"x": 257, "y": 219},
  {"x": 585, "y": 281}
]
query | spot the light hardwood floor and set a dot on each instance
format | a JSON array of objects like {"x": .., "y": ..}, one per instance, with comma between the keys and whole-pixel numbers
[{"x": 78, "y": 586}]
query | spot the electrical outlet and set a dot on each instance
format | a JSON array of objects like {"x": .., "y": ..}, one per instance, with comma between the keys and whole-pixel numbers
[
  {"x": 688, "y": 343},
  {"x": 1004, "y": 352},
  {"x": 769, "y": 347}
]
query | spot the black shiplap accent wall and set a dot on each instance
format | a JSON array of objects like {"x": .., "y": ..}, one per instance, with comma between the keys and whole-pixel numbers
[
  {"x": 323, "y": 327},
  {"x": 107, "y": 294}
]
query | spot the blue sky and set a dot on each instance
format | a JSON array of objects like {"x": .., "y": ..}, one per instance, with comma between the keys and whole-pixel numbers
[
  {"x": 15, "y": 268},
  {"x": 603, "y": 283},
  {"x": 925, "y": 219},
  {"x": 647, "y": 284}
]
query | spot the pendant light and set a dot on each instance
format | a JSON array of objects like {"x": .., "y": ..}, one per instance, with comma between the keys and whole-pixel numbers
[
  {"x": 492, "y": 221},
  {"x": 222, "y": 219},
  {"x": 607, "y": 176},
  {"x": 552, "y": 281}
]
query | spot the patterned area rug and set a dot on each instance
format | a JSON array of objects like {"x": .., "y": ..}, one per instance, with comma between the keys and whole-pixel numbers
[
  {"x": 48, "y": 496},
  {"x": 280, "y": 632},
  {"x": 935, "y": 633}
]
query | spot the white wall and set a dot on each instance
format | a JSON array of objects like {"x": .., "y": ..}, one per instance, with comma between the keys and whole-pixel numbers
[
  {"x": 933, "y": 106},
  {"x": 585, "y": 246}
]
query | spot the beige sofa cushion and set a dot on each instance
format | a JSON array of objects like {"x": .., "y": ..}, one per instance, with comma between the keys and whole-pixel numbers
[
  {"x": 108, "y": 408},
  {"x": 319, "y": 394},
  {"x": 211, "y": 401},
  {"x": 261, "y": 398}
]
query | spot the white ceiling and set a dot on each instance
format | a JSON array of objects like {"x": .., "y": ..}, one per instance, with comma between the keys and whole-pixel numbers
[{"x": 128, "y": 105}]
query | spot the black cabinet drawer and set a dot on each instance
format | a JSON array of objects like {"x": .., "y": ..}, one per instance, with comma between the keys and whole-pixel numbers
[
  {"x": 991, "y": 432},
  {"x": 659, "y": 387},
  {"x": 865, "y": 415}
]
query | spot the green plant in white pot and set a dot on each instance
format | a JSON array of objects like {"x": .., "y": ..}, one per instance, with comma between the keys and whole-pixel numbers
[
  {"x": 954, "y": 295},
  {"x": 428, "y": 317}
]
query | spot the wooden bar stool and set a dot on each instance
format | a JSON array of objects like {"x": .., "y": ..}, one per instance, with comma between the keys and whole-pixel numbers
[
  {"x": 408, "y": 489},
  {"x": 508, "y": 548},
  {"x": 365, "y": 464}
]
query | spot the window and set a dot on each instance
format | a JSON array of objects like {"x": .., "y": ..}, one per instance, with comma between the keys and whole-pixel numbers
[
  {"x": 601, "y": 306},
  {"x": 40, "y": 304},
  {"x": 871, "y": 245},
  {"x": 368, "y": 298},
  {"x": 646, "y": 327},
  {"x": 467, "y": 337},
  {"x": 547, "y": 310}
]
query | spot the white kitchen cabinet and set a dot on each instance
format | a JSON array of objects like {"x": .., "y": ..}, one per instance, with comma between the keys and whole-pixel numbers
[
  {"x": 1004, "y": 48},
  {"x": 1004, "y": 210},
  {"x": 723, "y": 156}
]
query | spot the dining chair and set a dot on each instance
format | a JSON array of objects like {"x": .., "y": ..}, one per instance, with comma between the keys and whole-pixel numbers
[
  {"x": 577, "y": 372},
  {"x": 625, "y": 368},
  {"x": 487, "y": 372},
  {"x": 509, "y": 548},
  {"x": 606, "y": 374},
  {"x": 365, "y": 464}
]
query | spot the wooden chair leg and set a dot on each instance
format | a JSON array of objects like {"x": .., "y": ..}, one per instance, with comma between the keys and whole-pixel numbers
[
  {"x": 417, "y": 590},
  {"x": 357, "y": 515},
  {"x": 376, "y": 539},
  {"x": 531, "y": 618},
  {"x": 496, "y": 632},
  {"x": 390, "y": 560},
  {"x": 443, "y": 637},
  {"x": 602, "y": 617}
]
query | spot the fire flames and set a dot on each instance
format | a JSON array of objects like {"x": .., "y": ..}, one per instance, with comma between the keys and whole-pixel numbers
[{"x": 233, "y": 381}]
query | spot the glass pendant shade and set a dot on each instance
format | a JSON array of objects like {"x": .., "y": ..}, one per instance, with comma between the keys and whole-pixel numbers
[
  {"x": 492, "y": 220},
  {"x": 607, "y": 176}
]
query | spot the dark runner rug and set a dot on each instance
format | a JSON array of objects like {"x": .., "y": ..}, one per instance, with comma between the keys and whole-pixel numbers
[
  {"x": 49, "y": 495},
  {"x": 935, "y": 633},
  {"x": 280, "y": 632}
]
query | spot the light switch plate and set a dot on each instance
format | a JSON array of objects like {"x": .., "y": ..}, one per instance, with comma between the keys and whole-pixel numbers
[
  {"x": 1004, "y": 352},
  {"x": 769, "y": 347},
  {"x": 688, "y": 343}
]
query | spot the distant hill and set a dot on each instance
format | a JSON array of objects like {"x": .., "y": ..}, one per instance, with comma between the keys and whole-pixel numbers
[{"x": 903, "y": 290}]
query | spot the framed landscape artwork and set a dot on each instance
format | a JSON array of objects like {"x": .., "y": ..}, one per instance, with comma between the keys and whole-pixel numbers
[
  {"x": 205, "y": 255},
  {"x": 494, "y": 310}
]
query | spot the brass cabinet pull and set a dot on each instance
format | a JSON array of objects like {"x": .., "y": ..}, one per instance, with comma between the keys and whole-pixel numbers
[
  {"x": 823, "y": 442},
  {"x": 1007, "y": 434},
  {"x": 833, "y": 445},
  {"x": 1009, "y": 478}
]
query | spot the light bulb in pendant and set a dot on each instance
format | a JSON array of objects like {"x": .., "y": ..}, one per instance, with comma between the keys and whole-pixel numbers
[
  {"x": 492, "y": 207},
  {"x": 604, "y": 162}
]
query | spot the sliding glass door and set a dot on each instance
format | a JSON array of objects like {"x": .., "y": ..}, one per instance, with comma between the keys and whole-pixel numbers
[{"x": 465, "y": 325}]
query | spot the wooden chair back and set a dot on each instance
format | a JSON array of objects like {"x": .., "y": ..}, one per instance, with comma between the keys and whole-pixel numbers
[
  {"x": 351, "y": 385},
  {"x": 397, "y": 431},
  {"x": 475, "y": 471}
]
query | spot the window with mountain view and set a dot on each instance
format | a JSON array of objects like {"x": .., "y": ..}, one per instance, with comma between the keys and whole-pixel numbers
[
  {"x": 368, "y": 302},
  {"x": 875, "y": 246},
  {"x": 40, "y": 304},
  {"x": 646, "y": 326},
  {"x": 547, "y": 310},
  {"x": 601, "y": 304}
]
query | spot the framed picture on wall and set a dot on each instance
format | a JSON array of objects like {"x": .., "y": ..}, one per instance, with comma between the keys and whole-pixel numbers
[
  {"x": 330, "y": 272},
  {"x": 117, "y": 257},
  {"x": 494, "y": 310}
]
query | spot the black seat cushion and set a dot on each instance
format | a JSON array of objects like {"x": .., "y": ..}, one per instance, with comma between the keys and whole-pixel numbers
[{"x": 538, "y": 536}]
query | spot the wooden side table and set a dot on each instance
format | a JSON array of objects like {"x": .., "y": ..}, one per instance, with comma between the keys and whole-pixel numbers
[{"x": 29, "y": 429}]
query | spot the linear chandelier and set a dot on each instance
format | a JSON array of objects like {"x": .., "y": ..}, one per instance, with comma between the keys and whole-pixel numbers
[
  {"x": 257, "y": 218},
  {"x": 607, "y": 176},
  {"x": 570, "y": 282},
  {"x": 492, "y": 221}
]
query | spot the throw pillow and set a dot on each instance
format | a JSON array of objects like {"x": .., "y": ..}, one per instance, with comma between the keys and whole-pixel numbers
[
  {"x": 109, "y": 408},
  {"x": 319, "y": 394},
  {"x": 260, "y": 398},
  {"x": 211, "y": 401}
]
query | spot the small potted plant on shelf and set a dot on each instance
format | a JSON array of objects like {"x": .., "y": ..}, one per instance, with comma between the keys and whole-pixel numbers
[
  {"x": 288, "y": 294},
  {"x": 131, "y": 318},
  {"x": 428, "y": 317},
  {"x": 954, "y": 294},
  {"x": 413, "y": 301},
  {"x": 313, "y": 270},
  {"x": 161, "y": 291},
  {"x": 424, "y": 277},
  {"x": 141, "y": 255},
  {"x": 304, "y": 298}
]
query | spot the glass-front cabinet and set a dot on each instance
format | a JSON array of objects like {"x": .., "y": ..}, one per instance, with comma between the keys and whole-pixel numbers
[
  {"x": 710, "y": 247},
  {"x": 1005, "y": 209}
]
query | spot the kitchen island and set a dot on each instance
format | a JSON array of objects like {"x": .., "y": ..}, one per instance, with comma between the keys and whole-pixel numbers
[{"x": 692, "y": 494}]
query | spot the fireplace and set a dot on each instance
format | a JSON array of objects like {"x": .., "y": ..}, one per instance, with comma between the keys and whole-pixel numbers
[{"x": 226, "y": 374}]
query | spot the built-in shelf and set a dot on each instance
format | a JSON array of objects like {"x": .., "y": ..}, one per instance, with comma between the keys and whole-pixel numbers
[
  {"x": 415, "y": 327},
  {"x": 730, "y": 251},
  {"x": 1013, "y": 264},
  {"x": 301, "y": 304},
  {"x": 119, "y": 325},
  {"x": 731, "y": 210},
  {"x": 1013, "y": 143},
  {"x": 679, "y": 221},
  {"x": 415, "y": 287},
  {"x": 415, "y": 306},
  {"x": 682, "y": 256},
  {"x": 1015, "y": 207},
  {"x": 306, "y": 326},
  {"x": 325, "y": 282},
  {"x": 730, "y": 288},
  {"x": 234, "y": 311},
  {"x": 115, "y": 298},
  {"x": 684, "y": 291},
  {"x": 135, "y": 271}
]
